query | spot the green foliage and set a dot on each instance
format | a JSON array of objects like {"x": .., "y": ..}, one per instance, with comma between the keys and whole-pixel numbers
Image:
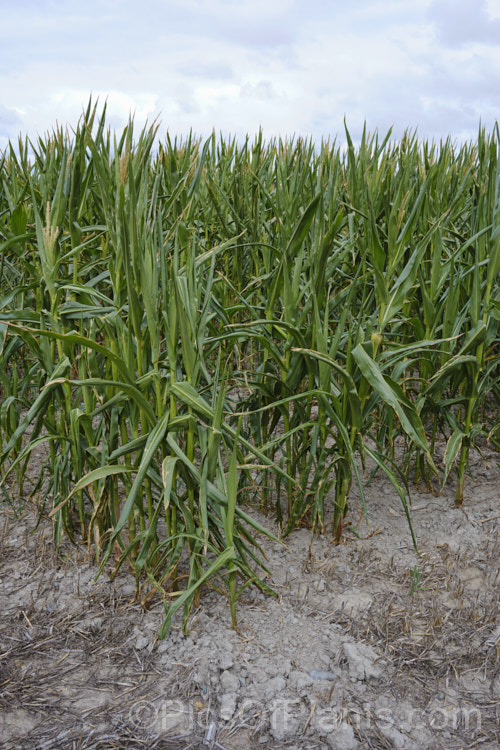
[{"x": 184, "y": 325}]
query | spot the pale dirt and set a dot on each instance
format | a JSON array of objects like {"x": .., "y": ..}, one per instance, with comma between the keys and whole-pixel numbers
[{"x": 346, "y": 657}]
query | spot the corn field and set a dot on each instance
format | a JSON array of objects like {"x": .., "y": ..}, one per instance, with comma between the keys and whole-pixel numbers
[{"x": 188, "y": 328}]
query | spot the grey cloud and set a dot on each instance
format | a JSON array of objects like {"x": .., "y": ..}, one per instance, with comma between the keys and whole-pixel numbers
[
  {"x": 459, "y": 22},
  {"x": 441, "y": 111},
  {"x": 362, "y": 17},
  {"x": 185, "y": 101},
  {"x": 197, "y": 68},
  {"x": 435, "y": 99},
  {"x": 10, "y": 122},
  {"x": 442, "y": 117},
  {"x": 472, "y": 80},
  {"x": 8, "y": 116},
  {"x": 277, "y": 34},
  {"x": 236, "y": 23}
]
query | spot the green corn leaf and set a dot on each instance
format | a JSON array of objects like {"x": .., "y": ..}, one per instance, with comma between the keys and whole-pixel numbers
[
  {"x": 474, "y": 338},
  {"x": 154, "y": 440},
  {"x": 379, "y": 460},
  {"x": 222, "y": 560},
  {"x": 38, "y": 406},
  {"x": 167, "y": 476},
  {"x": 3, "y": 333},
  {"x": 453, "y": 447},
  {"x": 302, "y": 229},
  {"x": 94, "y": 476},
  {"x": 215, "y": 493},
  {"x": 393, "y": 397},
  {"x": 352, "y": 393},
  {"x": 461, "y": 364},
  {"x": 188, "y": 394}
]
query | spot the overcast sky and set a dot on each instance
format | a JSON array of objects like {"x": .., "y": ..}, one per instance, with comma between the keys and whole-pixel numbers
[{"x": 289, "y": 66}]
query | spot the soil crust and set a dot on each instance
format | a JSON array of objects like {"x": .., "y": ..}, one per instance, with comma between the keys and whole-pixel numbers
[{"x": 367, "y": 644}]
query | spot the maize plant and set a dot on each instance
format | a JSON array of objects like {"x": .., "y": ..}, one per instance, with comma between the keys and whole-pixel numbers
[{"x": 191, "y": 327}]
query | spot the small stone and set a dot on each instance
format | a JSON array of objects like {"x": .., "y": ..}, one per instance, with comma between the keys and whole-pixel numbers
[
  {"x": 299, "y": 680},
  {"x": 272, "y": 688},
  {"x": 284, "y": 721},
  {"x": 175, "y": 717},
  {"x": 342, "y": 738},
  {"x": 141, "y": 642},
  {"x": 95, "y": 624},
  {"x": 230, "y": 682},
  {"x": 398, "y": 739},
  {"x": 226, "y": 660},
  {"x": 323, "y": 674},
  {"x": 201, "y": 675},
  {"x": 228, "y": 706},
  {"x": 284, "y": 667},
  {"x": 364, "y": 663}
]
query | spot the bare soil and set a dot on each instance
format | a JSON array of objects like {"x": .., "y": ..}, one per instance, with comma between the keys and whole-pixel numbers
[{"x": 367, "y": 645}]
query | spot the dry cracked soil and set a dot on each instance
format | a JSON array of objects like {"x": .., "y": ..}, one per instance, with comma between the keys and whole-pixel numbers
[{"x": 366, "y": 645}]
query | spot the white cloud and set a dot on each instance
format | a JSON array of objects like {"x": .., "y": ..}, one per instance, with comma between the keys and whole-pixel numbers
[
  {"x": 493, "y": 7},
  {"x": 290, "y": 66}
]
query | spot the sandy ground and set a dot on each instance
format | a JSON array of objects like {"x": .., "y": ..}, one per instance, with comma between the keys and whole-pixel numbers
[{"x": 367, "y": 645}]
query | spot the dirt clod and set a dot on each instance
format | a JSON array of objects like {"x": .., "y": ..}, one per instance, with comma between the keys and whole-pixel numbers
[{"x": 368, "y": 644}]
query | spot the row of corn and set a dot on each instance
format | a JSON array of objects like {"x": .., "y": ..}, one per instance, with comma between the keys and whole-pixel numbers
[{"x": 187, "y": 325}]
